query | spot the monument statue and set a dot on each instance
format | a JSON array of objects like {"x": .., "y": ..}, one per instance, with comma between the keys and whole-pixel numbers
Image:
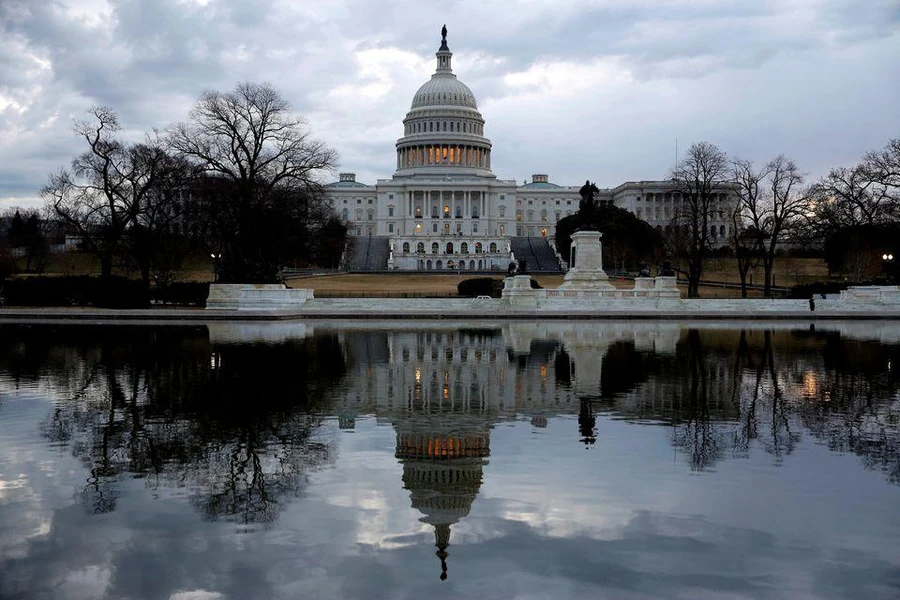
[
  {"x": 588, "y": 194},
  {"x": 444, "y": 34}
]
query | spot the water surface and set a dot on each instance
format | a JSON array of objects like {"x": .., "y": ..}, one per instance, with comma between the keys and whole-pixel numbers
[{"x": 518, "y": 460}]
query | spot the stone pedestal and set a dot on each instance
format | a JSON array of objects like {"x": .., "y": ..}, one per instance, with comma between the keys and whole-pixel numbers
[
  {"x": 586, "y": 264},
  {"x": 517, "y": 290},
  {"x": 255, "y": 296}
]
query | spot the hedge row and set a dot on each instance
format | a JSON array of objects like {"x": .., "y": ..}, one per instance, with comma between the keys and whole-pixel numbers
[
  {"x": 485, "y": 286},
  {"x": 81, "y": 290},
  {"x": 103, "y": 292}
]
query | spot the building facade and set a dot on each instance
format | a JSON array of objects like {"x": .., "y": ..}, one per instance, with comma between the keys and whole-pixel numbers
[{"x": 444, "y": 208}]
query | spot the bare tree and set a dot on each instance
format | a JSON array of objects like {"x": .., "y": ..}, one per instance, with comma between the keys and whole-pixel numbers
[
  {"x": 265, "y": 170},
  {"x": 699, "y": 177},
  {"x": 109, "y": 189},
  {"x": 771, "y": 200}
]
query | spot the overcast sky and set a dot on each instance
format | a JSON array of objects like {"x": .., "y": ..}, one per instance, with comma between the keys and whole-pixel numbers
[{"x": 595, "y": 89}]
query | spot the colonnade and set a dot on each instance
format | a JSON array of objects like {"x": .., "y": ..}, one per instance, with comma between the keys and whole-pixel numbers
[
  {"x": 444, "y": 154},
  {"x": 444, "y": 204}
]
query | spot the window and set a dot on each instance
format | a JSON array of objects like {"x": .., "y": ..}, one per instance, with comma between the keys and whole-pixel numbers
[
  {"x": 493, "y": 247},
  {"x": 418, "y": 212},
  {"x": 446, "y": 211},
  {"x": 518, "y": 215},
  {"x": 420, "y": 247},
  {"x": 405, "y": 247},
  {"x": 557, "y": 202},
  {"x": 502, "y": 211},
  {"x": 464, "y": 248},
  {"x": 370, "y": 201},
  {"x": 474, "y": 227},
  {"x": 502, "y": 196},
  {"x": 370, "y": 215},
  {"x": 530, "y": 202},
  {"x": 390, "y": 228},
  {"x": 390, "y": 211},
  {"x": 477, "y": 247},
  {"x": 474, "y": 211},
  {"x": 434, "y": 228},
  {"x": 359, "y": 200},
  {"x": 449, "y": 249},
  {"x": 459, "y": 212},
  {"x": 434, "y": 248},
  {"x": 359, "y": 214},
  {"x": 531, "y": 215},
  {"x": 344, "y": 215},
  {"x": 544, "y": 214}
]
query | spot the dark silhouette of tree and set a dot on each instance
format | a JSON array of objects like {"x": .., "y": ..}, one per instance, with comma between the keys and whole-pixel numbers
[
  {"x": 264, "y": 171},
  {"x": 699, "y": 177},
  {"x": 114, "y": 192}
]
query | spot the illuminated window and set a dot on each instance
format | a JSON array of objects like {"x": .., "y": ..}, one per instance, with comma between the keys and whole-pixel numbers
[{"x": 518, "y": 215}]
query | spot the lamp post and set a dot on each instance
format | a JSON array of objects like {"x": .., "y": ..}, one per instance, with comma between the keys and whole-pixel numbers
[
  {"x": 887, "y": 263},
  {"x": 216, "y": 257}
]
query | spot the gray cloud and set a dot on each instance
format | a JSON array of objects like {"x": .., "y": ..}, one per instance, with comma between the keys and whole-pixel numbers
[{"x": 596, "y": 89}]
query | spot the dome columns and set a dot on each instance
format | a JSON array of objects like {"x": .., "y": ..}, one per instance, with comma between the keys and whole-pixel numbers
[{"x": 447, "y": 154}]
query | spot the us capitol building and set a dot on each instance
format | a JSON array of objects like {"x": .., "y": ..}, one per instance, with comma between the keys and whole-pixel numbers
[{"x": 445, "y": 209}]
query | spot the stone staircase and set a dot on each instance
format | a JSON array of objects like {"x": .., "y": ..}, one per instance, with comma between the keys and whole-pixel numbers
[
  {"x": 537, "y": 253},
  {"x": 369, "y": 253}
]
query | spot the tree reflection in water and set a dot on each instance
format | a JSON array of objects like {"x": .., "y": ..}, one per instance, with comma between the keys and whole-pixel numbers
[
  {"x": 232, "y": 425},
  {"x": 724, "y": 391}
]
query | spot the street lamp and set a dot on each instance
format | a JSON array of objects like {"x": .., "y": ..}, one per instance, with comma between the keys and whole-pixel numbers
[
  {"x": 216, "y": 257},
  {"x": 888, "y": 265}
]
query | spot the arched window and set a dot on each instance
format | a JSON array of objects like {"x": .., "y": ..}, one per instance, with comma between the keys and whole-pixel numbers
[
  {"x": 449, "y": 247},
  {"x": 544, "y": 215},
  {"x": 359, "y": 214},
  {"x": 464, "y": 248},
  {"x": 471, "y": 265},
  {"x": 405, "y": 247},
  {"x": 502, "y": 210},
  {"x": 434, "y": 248},
  {"x": 438, "y": 265},
  {"x": 370, "y": 215},
  {"x": 450, "y": 264},
  {"x": 420, "y": 247},
  {"x": 345, "y": 215},
  {"x": 493, "y": 247},
  {"x": 557, "y": 215},
  {"x": 462, "y": 265},
  {"x": 478, "y": 248},
  {"x": 428, "y": 265}
]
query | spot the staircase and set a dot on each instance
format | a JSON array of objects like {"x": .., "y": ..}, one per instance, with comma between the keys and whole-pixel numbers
[
  {"x": 369, "y": 253},
  {"x": 537, "y": 253}
]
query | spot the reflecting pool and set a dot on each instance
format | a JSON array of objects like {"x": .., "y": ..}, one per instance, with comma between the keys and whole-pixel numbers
[{"x": 450, "y": 460}]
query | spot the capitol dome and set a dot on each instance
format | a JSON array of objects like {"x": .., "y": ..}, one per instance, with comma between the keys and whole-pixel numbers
[
  {"x": 443, "y": 132},
  {"x": 444, "y": 89}
]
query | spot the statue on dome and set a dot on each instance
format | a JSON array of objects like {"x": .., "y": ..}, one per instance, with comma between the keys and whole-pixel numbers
[{"x": 444, "y": 34}]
